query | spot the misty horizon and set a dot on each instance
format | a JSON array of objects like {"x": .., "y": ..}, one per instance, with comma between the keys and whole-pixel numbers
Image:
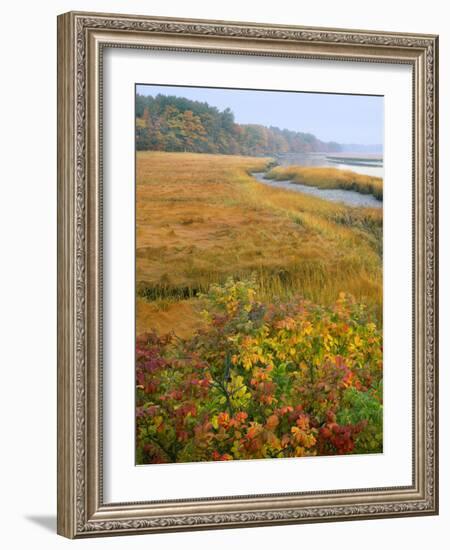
[{"x": 350, "y": 120}]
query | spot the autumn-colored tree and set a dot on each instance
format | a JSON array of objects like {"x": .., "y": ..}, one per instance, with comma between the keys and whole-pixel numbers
[
  {"x": 170, "y": 123},
  {"x": 193, "y": 131}
]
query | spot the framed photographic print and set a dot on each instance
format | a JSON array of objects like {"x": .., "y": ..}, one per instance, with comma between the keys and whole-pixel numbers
[{"x": 247, "y": 274}]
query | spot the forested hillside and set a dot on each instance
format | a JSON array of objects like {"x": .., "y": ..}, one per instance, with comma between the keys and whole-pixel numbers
[{"x": 170, "y": 123}]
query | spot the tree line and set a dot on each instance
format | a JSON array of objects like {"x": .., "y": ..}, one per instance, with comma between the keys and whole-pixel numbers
[{"x": 171, "y": 123}]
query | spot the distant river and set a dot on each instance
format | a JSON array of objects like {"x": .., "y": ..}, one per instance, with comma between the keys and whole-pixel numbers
[
  {"x": 351, "y": 198},
  {"x": 362, "y": 163}
]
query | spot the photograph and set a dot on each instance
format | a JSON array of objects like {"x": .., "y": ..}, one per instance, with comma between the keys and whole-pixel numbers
[{"x": 258, "y": 274}]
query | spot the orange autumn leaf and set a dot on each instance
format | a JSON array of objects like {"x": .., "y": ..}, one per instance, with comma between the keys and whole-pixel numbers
[{"x": 272, "y": 422}]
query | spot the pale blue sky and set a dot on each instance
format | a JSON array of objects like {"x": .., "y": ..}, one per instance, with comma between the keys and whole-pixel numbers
[{"x": 330, "y": 117}]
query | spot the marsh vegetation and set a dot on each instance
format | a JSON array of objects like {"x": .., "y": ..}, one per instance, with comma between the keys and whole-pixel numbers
[
  {"x": 329, "y": 178},
  {"x": 202, "y": 218}
]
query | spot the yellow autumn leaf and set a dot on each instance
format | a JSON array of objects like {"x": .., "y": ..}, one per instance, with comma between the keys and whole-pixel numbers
[{"x": 214, "y": 422}]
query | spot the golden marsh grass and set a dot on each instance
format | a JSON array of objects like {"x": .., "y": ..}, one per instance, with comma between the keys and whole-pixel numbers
[
  {"x": 329, "y": 178},
  {"x": 201, "y": 218}
]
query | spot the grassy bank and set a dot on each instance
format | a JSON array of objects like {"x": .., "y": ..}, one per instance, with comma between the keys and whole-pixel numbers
[
  {"x": 202, "y": 218},
  {"x": 329, "y": 178}
]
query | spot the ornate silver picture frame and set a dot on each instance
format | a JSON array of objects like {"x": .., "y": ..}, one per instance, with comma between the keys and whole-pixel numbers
[{"x": 83, "y": 39}]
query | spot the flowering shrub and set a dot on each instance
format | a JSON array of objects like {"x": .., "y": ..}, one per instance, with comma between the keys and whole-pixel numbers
[{"x": 261, "y": 380}]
